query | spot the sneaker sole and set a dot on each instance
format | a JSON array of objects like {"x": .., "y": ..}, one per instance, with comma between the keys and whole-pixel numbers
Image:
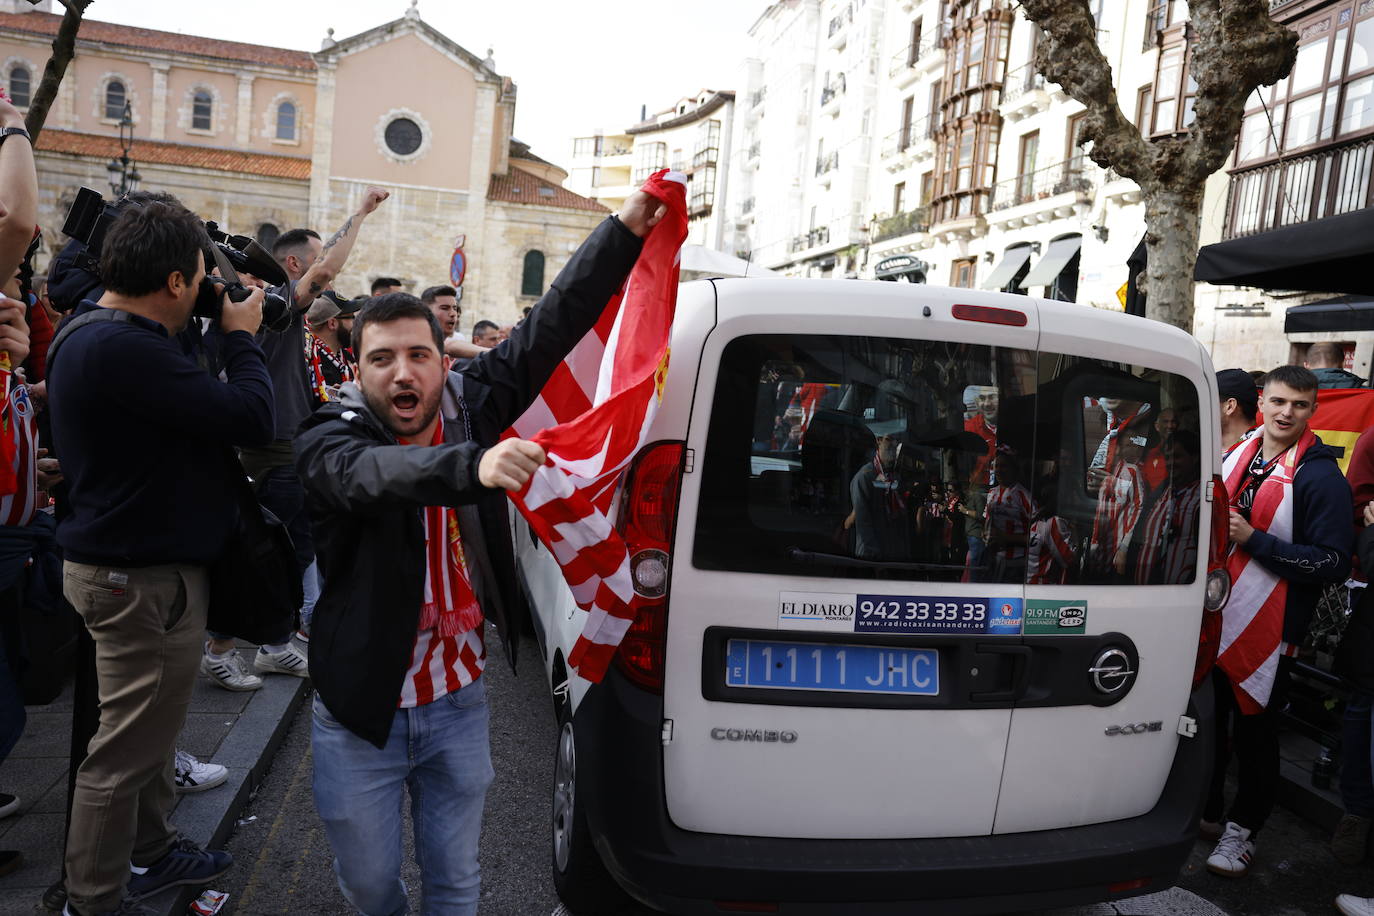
[
  {"x": 202, "y": 786},
  {"x": 1218, "y": 870},
  {"x": 181, "y": 882},
  {"x": 265, "y": 669}
]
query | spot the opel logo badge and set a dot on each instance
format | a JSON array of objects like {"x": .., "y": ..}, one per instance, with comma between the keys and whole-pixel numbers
[{"x": 1111, "y": 671}]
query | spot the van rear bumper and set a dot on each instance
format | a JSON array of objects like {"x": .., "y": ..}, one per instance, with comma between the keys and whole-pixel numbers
[{"x": 620, "y": 788}]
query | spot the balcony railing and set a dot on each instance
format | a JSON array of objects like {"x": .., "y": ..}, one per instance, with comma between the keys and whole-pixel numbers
[
  {"x": 901, "y": 140},
  {"x": 818, "y": 236},
  {"x": 827, "y": 162},
  {"x": 908, "y": 223},
  {"x": 838, "y": 23},
  {"x": 829, "y": 93},
  {"x": 754, "y": 150},
  {"x": 700, "y": 203},
  {"x": 641, "y": 175},
  {"x": 1060, "y": 178},
  {"x": 911, "y": 55},
  {"x": 1022, "y": 80},
  {"x": 746, "y": 206},
  {"x": 1324, "y": 183}
]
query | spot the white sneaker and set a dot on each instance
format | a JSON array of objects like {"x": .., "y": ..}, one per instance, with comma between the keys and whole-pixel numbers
[
  {"x": 287, "y": 660},
  {"x": 230, "y": 672},
  {"x": 1351, "y": 905},
  {"x": 1233, "y": 852},
  {"x": 193, "y": 775}
]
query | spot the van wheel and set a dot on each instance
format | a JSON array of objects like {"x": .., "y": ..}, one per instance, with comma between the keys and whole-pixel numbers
[{"x": 582, "y": 882}]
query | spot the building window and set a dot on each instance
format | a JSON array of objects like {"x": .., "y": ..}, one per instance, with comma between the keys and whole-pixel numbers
[
  {"x": 267, "y": 235},
  {"x": 403, "y": 136},
  {"x": 286, "y": 121},
  {"x": 961, "y": 273},
  {"x": 899, "y": 198},
  {"x": 202, "y": 111},
  {"x": 1144, "y": 101},
  {"x": 115, "y": 99},
  {"x": 1073, "y": 150},
  {"x": 21, "y": 86},
  {"x": 1025, "y": 165},
  {"x": 532, "y": 276},
  {"x": 649, "y": 158}
]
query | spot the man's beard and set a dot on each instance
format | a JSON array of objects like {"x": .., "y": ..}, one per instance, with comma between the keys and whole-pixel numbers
[{"x": 404, "y": 428}]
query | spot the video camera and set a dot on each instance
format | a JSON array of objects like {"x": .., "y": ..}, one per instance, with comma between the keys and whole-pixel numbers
[{"x": 90, "y": 217}]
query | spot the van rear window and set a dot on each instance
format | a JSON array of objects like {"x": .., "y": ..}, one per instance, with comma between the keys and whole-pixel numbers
[{"x": 883, "y": 458}]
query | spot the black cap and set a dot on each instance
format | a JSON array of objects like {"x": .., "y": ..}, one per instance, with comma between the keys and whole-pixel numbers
[
  {"x": 1236, "y": 383},
  {"x": 347, "y": 307}
]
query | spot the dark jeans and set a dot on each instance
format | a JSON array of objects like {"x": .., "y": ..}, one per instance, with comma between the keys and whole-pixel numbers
[
  {"x": 12, "y": 715},
  {"x": 1255, "y": 742},
  {"x": 1357, "y": 774},
  {"x": 281, "y": 493}
]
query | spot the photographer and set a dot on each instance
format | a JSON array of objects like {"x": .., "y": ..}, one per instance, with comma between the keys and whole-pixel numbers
[
  {"x": 311, "y": 266},
  {"x": 145, "y": 436}
]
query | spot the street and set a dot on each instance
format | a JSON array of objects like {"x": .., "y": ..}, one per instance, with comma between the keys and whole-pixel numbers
[{"x": 283, "y": 860}]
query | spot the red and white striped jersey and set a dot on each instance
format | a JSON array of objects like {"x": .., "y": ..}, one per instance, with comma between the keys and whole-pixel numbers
[
  {"x": 440, "y": 665},
  {"x": 21, "y": 447},
  {"x": 1168, "y": 549},
  {"x": 1009, "y": 512},
  {"x": 1118, "y": 510},
  {"x": 1050, "y": 553}
]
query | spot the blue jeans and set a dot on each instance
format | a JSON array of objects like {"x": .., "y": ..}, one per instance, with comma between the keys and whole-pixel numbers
[
  {"x": 1357, "y": 773},
  {"x": 310, "y": 588},
  {"x": 441, "y": 753}
]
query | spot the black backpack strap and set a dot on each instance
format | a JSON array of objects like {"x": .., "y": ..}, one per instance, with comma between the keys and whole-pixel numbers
[{"x": 80, "y": 321}]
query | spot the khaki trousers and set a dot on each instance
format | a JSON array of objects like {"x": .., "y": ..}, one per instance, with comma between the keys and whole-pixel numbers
[{"x": 147, "y": 625}]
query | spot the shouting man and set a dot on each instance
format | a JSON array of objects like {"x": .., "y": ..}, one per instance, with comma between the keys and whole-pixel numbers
[{"x": 403, "y": 479}]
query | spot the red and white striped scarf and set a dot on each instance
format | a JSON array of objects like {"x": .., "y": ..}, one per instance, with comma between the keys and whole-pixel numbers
[
  {"x": 592, "y": 417},
  {"x": 1252, "y": 621},
  {"x": 450, "y": 604},
  {"x": 1169, "y": 539}
]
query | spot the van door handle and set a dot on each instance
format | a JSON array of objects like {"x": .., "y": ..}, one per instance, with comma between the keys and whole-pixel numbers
[{"x": 1020, "y": 657}]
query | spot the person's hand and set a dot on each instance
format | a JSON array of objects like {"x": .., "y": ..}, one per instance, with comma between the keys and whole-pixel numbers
[
  {"x": 641, "y": 212},
  {"x": 49, "y": 471},
  {"x": 242, "y": 316},
  {"x": 372, "y": 199},
  {"x": 1240, "y": 528},
  {"x": 509, "y": 464},
  {"x": 1369, "y": 513},
  {"x": 38, "y": 394},
  {"x": 9, "y": 115},
  {"x": 14, "y": 331}
]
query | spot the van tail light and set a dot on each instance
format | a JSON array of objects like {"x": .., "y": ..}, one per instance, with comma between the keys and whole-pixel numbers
[
  {"x": 648, "y": 513},
  {"x": 989, "y": 315},
  {"x": 1218, "y": 588}
]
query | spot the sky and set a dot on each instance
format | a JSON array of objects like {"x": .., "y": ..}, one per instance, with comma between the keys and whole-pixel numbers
[{"x": 579, "y": 65}]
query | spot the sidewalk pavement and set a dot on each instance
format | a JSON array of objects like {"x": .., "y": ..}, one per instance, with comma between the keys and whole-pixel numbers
[{"x": 240, "y": 731}]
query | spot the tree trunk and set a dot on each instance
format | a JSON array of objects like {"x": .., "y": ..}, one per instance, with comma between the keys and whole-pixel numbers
[
  {"x": 63, "y": 49},
  {"x": 1172, "y": 222}
]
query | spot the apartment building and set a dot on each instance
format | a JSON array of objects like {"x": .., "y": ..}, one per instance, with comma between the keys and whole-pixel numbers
[
  {"x": 692, "y": 136},
  {"x": 1291, "y": 211}
]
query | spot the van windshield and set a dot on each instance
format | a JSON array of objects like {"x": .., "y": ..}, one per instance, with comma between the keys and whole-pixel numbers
[{"x": 865, "y": 457}]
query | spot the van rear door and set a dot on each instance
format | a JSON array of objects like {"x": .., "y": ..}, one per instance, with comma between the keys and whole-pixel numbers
[
  {"x": 844, "y": 610},
  {"x": 1113, "y": 630}
]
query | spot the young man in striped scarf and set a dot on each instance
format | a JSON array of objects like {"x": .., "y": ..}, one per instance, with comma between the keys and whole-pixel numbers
[
  {"x": 404, "y": 478},
  {"x": 1291, "y": 534}
]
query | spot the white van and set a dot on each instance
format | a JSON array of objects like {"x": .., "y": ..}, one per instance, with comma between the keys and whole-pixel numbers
[{"x": 936, "y": 562}]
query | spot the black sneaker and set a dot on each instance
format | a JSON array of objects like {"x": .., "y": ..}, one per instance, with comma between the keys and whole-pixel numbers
[
  {"x": 9, "y": 804},
  {"x": 127, "y": 907},
  {"x": 186, "y": 863}
]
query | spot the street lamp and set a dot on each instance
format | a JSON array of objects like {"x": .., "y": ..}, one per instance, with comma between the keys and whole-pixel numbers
[{"x": 123, "y": 171}]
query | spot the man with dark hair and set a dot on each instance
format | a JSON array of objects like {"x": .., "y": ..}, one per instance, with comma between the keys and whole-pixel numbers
[
  {"x": 443, "y": 302},
  {"x": 383, "y": 285},
  {"x": 1291, "y": 535},
  {"x": 1326, "y": 358},
  {"x": 404, "y": 479},
  {"x": 486, "y": 334},
  {"x": 1239, "y": 405},
  {"x": 311, "y": 266},
  {"x": 146, "y": 519}
]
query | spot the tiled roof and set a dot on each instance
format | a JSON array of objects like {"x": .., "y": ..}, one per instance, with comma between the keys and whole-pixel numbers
[
  {"x": 46, "y": 24},
  {"x": 196, "y": 157},
  {"x": 520, "y": 187}
]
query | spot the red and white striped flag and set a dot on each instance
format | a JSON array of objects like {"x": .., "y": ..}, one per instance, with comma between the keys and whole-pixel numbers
[{"x": 591, "y": 418}]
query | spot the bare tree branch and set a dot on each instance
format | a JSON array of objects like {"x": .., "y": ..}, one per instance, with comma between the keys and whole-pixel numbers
[
  {"x": 1236, "y": 46},
  {"x": 63, "y": 49}
]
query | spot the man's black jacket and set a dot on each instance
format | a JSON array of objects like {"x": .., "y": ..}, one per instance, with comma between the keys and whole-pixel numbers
[{"x": 365, "y": 495}]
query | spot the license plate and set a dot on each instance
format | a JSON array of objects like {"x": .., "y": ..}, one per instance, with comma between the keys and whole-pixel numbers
[{"x": 831, "y": 667}]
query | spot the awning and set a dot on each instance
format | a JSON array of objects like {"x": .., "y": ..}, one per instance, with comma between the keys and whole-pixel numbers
[
  {"x": 1329, "y": 255},
  {"x": 1060, "y": 254},
  {"x": 901, "y": 265},
  {"x": 1012, "y": 261},
  {"x": 1343, "y": 313}
]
